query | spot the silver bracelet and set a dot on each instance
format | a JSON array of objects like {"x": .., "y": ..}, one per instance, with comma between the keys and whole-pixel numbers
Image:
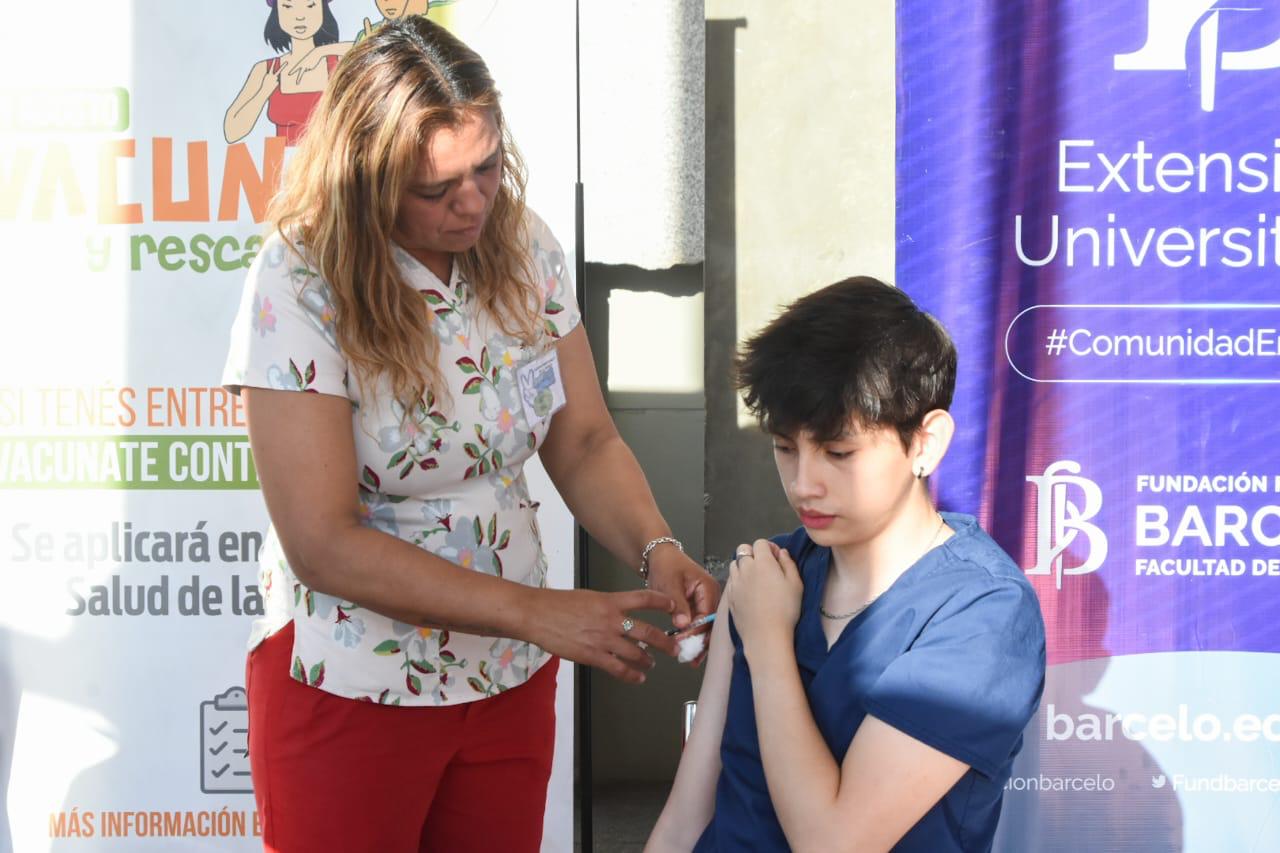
[{"x": 648, "y": 549}]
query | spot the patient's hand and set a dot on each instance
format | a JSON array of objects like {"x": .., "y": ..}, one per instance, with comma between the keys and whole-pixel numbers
[{"x": 766, "y": 594}]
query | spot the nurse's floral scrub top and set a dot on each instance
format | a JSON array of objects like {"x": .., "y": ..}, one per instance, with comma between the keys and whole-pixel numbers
[{"x": 449, "y": 478}]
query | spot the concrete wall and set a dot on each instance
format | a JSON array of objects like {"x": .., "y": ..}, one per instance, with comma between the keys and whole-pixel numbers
[
  {"x": 636, "y": 730},
  {"x": 799, "y": 193},
  {"x": 800, "y": 171},
  {"x": 642, "y": 170},
  {"x": 642, "y": 144}
]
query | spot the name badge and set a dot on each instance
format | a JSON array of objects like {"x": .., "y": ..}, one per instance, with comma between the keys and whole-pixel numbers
[{"x": 541, "y": 387}]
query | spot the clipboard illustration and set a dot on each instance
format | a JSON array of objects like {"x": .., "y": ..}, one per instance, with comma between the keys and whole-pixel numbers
[{"x": 224, "y": 744}]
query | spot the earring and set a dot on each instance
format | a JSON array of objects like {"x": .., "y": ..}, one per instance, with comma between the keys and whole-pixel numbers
[{"x": 920, "y": 473}]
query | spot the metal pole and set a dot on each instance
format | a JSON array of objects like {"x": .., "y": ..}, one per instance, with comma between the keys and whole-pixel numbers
[{"x": 583, "y": 752}]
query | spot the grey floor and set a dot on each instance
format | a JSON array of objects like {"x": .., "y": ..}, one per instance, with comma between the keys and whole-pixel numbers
[{"x": 622, "y": 816}]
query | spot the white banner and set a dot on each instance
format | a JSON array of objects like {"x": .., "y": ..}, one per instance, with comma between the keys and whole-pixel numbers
[{"x": 129, "y": 513}]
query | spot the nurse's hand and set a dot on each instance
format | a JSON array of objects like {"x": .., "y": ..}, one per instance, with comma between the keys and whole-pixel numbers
[
  {"x": 599, "y": 629},
  {"x": 765, "y": 594},
  {"x": 693, "y": 590}
]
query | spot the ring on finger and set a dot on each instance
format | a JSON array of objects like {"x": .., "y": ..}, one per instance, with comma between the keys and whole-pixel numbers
[{"x": 627, "y": 624}]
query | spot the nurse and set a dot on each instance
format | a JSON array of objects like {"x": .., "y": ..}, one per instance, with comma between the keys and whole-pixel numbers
[{"x": 408, "y": 338}]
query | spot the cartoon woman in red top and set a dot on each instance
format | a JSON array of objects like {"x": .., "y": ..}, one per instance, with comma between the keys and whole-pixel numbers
[{"x": 286, "y": 87}]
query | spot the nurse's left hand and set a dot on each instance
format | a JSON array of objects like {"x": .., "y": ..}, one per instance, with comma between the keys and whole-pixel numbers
[
  {"x": 694, "y": 591},
  {"x": 765, "y": 593}
]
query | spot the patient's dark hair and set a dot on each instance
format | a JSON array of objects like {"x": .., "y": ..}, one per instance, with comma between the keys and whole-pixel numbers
[{"x": 858, "y": 350}]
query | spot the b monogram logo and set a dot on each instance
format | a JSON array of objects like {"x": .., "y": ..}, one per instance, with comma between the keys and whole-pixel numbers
[{"x": 1060, "y": 521}]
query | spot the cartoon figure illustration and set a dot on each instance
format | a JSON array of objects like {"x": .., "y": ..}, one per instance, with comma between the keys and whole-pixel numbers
[
  {"x": 393, "y": 9},
  {"x": 305, "y": 33}
]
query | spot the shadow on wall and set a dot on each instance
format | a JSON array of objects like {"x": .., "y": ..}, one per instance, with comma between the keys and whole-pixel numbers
[
  {"x": 636, "y": 731},
  {"x": 743, "y": 500}
]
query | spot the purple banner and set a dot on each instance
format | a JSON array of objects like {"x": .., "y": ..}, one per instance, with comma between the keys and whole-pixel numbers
[{"x": 1087, "y": 198}]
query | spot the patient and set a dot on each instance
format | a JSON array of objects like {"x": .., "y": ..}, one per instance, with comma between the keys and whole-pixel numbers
[{"x": 869, "y": 685}]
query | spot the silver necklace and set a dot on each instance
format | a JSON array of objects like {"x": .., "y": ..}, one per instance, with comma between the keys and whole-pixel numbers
[
  {"x": 852, "y": 613},
  {"x": 872, "y": 600}
]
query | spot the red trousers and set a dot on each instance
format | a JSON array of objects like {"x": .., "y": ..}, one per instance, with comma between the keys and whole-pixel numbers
[{"x": 331, "y": 773}]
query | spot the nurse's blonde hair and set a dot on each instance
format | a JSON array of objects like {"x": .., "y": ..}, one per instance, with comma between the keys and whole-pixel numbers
[{"x": 341, "y": 193}]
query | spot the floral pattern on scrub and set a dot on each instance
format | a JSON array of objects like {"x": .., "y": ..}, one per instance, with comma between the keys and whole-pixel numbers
[{"x": 447, "y": 478}]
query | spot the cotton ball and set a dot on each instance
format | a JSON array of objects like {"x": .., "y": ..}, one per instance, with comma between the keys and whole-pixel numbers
[{"x": 690, "y": 647}]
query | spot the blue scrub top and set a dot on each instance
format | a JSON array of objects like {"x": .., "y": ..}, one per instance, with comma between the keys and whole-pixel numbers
[{"x": 952, "y": 654}]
